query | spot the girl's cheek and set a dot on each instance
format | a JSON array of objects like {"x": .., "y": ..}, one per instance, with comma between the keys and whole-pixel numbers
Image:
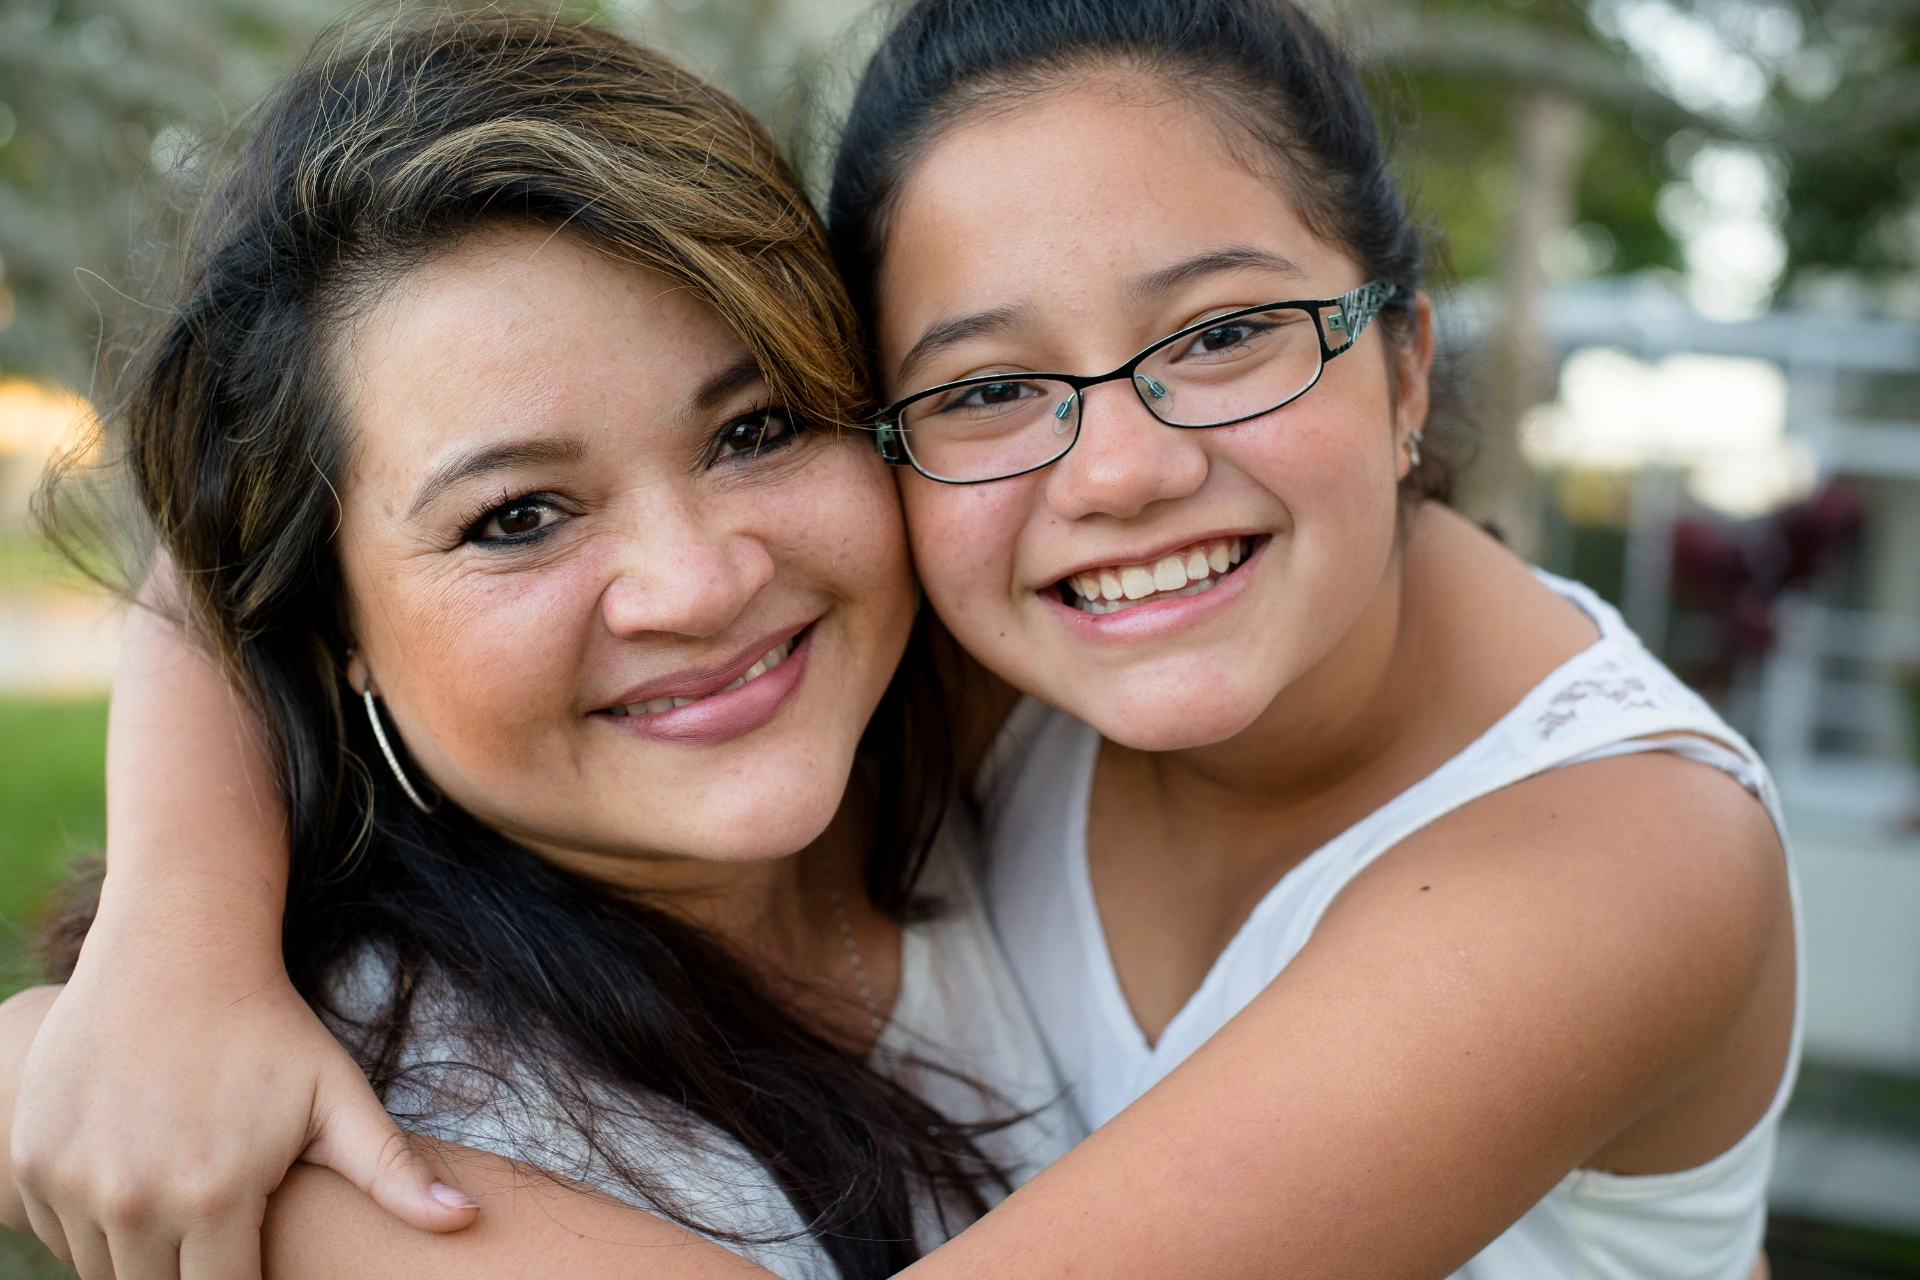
[{"x": 964, "y": 538}]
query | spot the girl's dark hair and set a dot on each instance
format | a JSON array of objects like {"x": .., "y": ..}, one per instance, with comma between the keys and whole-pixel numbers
[
  {"x": 382, "y": 148},
  {"x": 1262, "y": 69}
]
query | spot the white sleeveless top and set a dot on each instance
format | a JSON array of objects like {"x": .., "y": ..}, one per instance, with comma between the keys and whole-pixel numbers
[
  {"x": 960, "y": 1036},
  {"x": 1698, "y": 1224}
]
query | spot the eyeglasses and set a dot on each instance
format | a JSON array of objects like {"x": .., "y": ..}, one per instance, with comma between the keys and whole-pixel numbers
[{"x": 1222, "y": 370}]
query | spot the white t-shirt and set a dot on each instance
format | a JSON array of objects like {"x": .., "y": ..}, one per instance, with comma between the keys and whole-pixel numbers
[
  {"x": 1611, "y": 699},
  {"x": 958, "y": 1008}
]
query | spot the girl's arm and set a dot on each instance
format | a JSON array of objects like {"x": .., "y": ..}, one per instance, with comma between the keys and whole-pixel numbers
[
  {"x": 321, "y": 1227},
  {"x": 179, "y": 1074},
  {"x": 1549, "y": 978}
]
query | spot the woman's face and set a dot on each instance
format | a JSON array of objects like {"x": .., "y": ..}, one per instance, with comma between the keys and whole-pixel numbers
[
  {"x": 1066, "y": 235},
  {"x": 614, "y": 604}
]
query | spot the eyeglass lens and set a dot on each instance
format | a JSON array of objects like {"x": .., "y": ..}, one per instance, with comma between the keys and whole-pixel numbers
[{"x": 1237, "y": 370}]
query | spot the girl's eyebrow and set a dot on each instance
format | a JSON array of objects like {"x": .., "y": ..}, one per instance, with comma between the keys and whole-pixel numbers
[
  {"x": 493, "y": 457},
  {"x": 1157, "y": 284},
  {"x": 946, "y": 333}
]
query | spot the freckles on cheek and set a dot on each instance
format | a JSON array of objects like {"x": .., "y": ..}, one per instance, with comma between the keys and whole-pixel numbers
[{"x": 963, "y": 537}]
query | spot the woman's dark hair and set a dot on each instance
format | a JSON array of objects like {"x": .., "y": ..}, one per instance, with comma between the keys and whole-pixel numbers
[
  {"x": 383, "y": 148},
  {"x": 1262, "y": 69}
]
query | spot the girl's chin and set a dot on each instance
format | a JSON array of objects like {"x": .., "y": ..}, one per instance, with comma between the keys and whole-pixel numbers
[{"x": 1158, "y": 726}]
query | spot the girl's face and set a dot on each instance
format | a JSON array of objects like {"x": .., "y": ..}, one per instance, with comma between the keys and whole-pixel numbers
[
  {"x": 613, "y": 602},
  {"x": 1065, "y": 235}
]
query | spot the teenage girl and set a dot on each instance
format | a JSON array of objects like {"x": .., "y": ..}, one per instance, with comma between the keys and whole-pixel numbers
[{"x": 1388, "y": 907}]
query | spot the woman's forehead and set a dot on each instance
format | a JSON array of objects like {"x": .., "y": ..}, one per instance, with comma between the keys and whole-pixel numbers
[{"x": 520, "y": 327}]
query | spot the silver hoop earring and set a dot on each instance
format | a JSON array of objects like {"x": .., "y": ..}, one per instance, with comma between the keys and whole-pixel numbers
[
  {"x": 1413, "y": 446},
  {"x": 386, "y": 749}
]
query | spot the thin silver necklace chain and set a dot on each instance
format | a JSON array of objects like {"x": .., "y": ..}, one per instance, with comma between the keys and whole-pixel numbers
[{"x": 853, "y": 952}]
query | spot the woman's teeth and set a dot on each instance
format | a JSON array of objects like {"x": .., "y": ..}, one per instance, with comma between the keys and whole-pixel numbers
[
  {"x": 1186, "y": 572},
  {"x": 768, "y": 661}
]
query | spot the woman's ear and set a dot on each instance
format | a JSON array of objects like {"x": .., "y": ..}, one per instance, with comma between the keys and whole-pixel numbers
[{"x": 359, "y": 676}]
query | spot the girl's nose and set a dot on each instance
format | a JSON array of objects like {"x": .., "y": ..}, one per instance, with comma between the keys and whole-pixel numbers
[
  {"x": 1125, "y": 459},
  {"x": 681, "y": 574}
]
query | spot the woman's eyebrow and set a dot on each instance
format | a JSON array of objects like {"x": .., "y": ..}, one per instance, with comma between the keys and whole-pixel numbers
[
  {"x": 947, "y": 333},
  {"x": 493, "y": 457},
  {"x": 742, "y": 373},
  {"x": 1157, "y": 284}
]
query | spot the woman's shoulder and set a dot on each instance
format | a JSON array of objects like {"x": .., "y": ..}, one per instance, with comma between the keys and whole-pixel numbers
[{"x": 447, "y": 1078}]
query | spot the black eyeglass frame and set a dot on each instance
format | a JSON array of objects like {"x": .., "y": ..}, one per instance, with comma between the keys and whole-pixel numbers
[{"x": 1349, "y": 313}]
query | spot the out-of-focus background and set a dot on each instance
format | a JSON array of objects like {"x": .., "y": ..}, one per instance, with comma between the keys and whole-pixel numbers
[{"x": 1683, "y": 243}]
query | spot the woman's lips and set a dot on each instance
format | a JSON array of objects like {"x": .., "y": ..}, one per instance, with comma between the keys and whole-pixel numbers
[{"x": 736, "y": 709}]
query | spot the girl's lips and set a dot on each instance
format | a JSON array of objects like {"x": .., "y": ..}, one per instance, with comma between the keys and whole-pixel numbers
[
  {"x": 1156, "y": 618},
  {"x": 721, "y": 716}
]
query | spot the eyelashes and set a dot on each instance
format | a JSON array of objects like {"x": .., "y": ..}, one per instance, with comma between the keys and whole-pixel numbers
[
  {"x": 514, "y": 520},
  {"x": 520, "y": 519},
  {"x": 754, "y": 434}
]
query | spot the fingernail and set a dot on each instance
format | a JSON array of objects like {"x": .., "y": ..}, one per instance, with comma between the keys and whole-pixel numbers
[{"x": 452, "y": 1197}]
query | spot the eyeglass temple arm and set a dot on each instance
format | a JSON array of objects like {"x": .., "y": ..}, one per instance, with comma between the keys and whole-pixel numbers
[
  {"x": 888, "y": 444},
  {"x": 1354, "y": 311}
]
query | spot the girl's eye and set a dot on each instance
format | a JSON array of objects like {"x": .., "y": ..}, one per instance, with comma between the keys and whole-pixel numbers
[
  {"x": 1224, "y": 338},
  {"x": 761, "y": 431},
  {"x": 520, "y": 520},
  {"x": 997, "y": 393}
]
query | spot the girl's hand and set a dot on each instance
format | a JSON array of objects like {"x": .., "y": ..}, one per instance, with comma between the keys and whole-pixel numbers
[
  {"x": 157, "y": 1115},
  {"x": 179, "y": 1074}
]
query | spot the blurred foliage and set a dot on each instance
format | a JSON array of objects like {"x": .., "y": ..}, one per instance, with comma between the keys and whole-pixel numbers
[
  {"x": 105, "y": 105},
  {"x": 1853, "y": 95}
]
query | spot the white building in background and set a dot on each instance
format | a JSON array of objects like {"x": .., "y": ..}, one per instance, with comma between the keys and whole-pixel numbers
[{"x": 1742, "y": 418}]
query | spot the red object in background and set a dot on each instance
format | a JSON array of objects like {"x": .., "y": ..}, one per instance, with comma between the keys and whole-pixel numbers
[{"x": 1734, "y": 571}]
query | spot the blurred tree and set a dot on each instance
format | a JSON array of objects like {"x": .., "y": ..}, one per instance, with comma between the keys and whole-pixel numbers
[
  {"x": 1533, "y": 131},
  {"x": 1849, "y": 98},
  {"x": 1535, "y": 139},
  {"x": 103, "y": 103}
]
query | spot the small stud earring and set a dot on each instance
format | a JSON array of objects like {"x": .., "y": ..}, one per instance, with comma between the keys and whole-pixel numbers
[
  {"x": 386, "y": 749},
  {"x": 1413, "y": 446}
]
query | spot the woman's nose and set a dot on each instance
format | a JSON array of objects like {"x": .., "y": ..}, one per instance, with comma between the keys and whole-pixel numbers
[
  {"x": 1125, "y": 459},
  {"x": 680, "y": 574}
]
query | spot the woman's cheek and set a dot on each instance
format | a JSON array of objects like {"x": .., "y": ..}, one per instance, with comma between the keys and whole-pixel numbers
[{"x": 490, "y": 664}]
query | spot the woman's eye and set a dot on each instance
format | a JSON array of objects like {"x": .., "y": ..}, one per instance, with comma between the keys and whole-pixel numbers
[
  {"x": 759, "y": 432},
  {"x": 515, "y": 521}
]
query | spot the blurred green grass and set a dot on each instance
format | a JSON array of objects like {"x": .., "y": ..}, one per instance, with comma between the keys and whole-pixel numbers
[
  {"x": 27, "y": 562},
  {"x": 52, "y": 810}
]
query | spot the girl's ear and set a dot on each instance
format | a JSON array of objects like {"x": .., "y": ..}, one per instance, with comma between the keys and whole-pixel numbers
[
  {"x": 358, "y": 673},
  {"x": 1413, "y": 366}
]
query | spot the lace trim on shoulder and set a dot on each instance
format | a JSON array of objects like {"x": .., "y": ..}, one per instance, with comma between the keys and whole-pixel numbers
[{"x": 1607, "y": 688}]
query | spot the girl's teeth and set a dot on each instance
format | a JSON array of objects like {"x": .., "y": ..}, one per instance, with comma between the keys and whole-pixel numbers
[
  {"x": 1184, "y": 573},
  {"x": 655, "y": 706}
]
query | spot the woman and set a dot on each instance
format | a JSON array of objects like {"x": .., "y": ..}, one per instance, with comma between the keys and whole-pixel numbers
[
  {"x": 1389, "y": 908},
  {"x": 532, "y": 563}
]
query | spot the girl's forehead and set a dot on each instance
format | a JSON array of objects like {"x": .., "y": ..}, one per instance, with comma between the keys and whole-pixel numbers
[{"x": 1078, "y": 203}]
